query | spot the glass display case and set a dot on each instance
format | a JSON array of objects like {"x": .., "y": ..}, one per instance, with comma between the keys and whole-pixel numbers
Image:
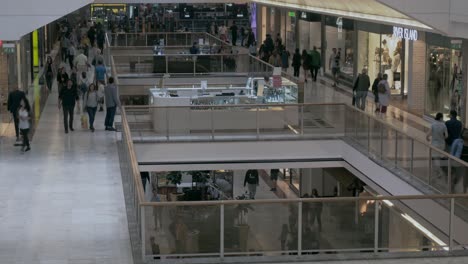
[{"x": 267, "y": 94}]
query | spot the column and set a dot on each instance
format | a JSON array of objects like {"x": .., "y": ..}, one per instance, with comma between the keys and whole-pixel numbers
[
  {"x": 464, "y": 97},
  {"x": 416, "y": 81}
]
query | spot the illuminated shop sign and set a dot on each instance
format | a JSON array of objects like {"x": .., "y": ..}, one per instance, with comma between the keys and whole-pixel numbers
[{"x": 405, "y": 33}]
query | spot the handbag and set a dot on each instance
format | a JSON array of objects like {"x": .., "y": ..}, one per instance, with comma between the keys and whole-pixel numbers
[{"x": 41, "y": 80}]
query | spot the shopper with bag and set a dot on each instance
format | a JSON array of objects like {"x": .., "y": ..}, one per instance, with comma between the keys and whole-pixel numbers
[
  {"x": 91, "y": 99},
  {"x": 384, "y": 94},
  {"x": 375, "y": 91}
]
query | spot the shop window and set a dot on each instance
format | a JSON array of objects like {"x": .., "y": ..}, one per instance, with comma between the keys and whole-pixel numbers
[
  {"x": 382, "y": 53},
  {"x": 342, "y": 39},
  {"x": 444, "y": 87}
]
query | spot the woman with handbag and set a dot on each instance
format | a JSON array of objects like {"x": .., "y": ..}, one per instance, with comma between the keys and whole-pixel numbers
[
  {"x": 384, "y": 94},
  {"x": 90, "y": 104},
  {"x": 49, "y": 73}
]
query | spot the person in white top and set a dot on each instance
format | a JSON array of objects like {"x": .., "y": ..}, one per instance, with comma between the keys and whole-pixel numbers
[
  {"x": 222, "y": 32},
  {"x": 384, "y": 94},
  {"x": 24, "y": 114},
  {"x": 81, "y": 63},
  {"x": 437, "y": 136},
  {"x": 438, "y": 132},
  {"x": 91, "y": 100}
]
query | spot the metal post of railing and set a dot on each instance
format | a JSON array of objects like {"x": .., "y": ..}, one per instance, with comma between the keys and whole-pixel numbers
[
  {"x": 451, "y": 227},
  {"x": 146, "y": 40},
  {"x": 167, "y": 41},
  {"x": 299, "y": 229},
  {"x": 126, "y": 40},
  {"x": 355, "y": 125},
  {"x": 396, "y": 149},
  {"x": 381, "y": 141},
  {"x": 449, "y": 175},
  {"x": 368, "y": 135},
  {"x": 167, "y": 64},
  {"x": 412, "y": 156},
  {"x": 186, "y": 39},
  {"x": 222, "y": 63},
  {"x": 194, "y": 58},
  {"x": 167, "y": 124},
  {"x": 142, "y": 228},
  {"x": 376, "y": 226},
  {"x": 221, "y": 231},
  {"x": 256, "y": 122},
  {"x": 302, "y": 120},
  {"x": 430, "y": 167},
  {"x": 212, "y": 123}
]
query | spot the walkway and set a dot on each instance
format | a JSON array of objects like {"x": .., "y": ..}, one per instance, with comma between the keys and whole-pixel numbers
[{"x": 62, "y": 202}]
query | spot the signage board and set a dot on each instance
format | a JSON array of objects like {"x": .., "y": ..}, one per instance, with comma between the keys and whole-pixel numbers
[{"x": 405, "y": 33}]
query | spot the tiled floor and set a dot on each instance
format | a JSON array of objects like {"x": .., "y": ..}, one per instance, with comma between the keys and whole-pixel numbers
[{"x": 62, "y": 202}]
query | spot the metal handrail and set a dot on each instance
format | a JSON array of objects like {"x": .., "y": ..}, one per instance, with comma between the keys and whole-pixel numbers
[
  {"x": 133, "y": 159},
  {"x": 392, "y": 126},
  {"x": 318, "y": 200}
]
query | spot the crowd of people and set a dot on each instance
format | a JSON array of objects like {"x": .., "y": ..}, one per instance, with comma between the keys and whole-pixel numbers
[{"x": 78, "y": 91}]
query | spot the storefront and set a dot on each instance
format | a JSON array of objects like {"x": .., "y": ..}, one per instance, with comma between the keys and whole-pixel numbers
[
  {"x": 382, "y": 50},
  {"x": 309, "y": 30},
  {"x": 444, "y": 75}
]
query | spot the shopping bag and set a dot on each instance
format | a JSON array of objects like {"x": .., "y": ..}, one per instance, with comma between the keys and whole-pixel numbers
[
  {"x": 84, "y": 121},
  {"x": 354, "y": 100}
]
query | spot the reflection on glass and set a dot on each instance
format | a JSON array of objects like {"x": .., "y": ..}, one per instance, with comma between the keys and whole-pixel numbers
[{"x": 444, "y": 80}]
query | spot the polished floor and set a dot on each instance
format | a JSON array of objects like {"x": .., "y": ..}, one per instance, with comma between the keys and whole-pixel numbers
[{"x": 62, "y": 202}]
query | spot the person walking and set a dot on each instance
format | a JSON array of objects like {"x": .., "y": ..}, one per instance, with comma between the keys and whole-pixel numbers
[
  {"x": 296, "y": 62},
  {"x": 361, "y": 87},
  {"x": 112, "y": 102},
  {"x": 305, "y": 63},
  {"x": 454, "y": 129},
  {"x": 24, "y": 114},
  {"x": 13, "y": 104},
  {"x": 334, "y": 65},
  {"x": 251, "y": 179},
  {"x": 71, "y": 54},
  {"x": 90, "y": 103},
  {"x": 375, "y": 91},
  {"x": 100, "y": 72},
  {"x": 384, "y": 94},
  {"x": 437, "y": 135},
  {"x": 64, "y": 43},
  {"x": 438, "y": 132},
  {"x": 315, "y": 63},
  {"x": 68, "y": 97},
  {"x": 62, "y": 79},
  {"x": 234, "y": 33},
  {"x": 81, "y": 63},
  {"x": 49, "y": 73}
]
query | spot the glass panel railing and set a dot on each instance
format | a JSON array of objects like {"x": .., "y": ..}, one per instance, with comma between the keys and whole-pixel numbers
[
  {"x": 248, "y": 228},
  {"x": 439, "y": 171},
  {"x": 293, "y": 227},
  {"x": 167, "y": 39},
  {"x": 403, "y": 232},
  {"x": 335, "y": 226},
  {"x": 180, "y": 230}
]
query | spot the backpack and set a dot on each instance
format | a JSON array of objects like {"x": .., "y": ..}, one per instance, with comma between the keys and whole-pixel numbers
[{"x": 381, "y": 88}]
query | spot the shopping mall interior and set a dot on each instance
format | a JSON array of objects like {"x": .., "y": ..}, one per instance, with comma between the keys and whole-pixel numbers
[{"x": 264, "y": 131}]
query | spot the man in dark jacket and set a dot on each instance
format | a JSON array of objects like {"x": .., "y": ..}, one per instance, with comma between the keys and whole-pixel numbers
[
  {"x": 361, "y": 87},
  {"x": 14, "y": 100},
  {"x": 251, "y": 178},
  {"x": 68, "y": 96},
  {"x": 315, "y": 63}
]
